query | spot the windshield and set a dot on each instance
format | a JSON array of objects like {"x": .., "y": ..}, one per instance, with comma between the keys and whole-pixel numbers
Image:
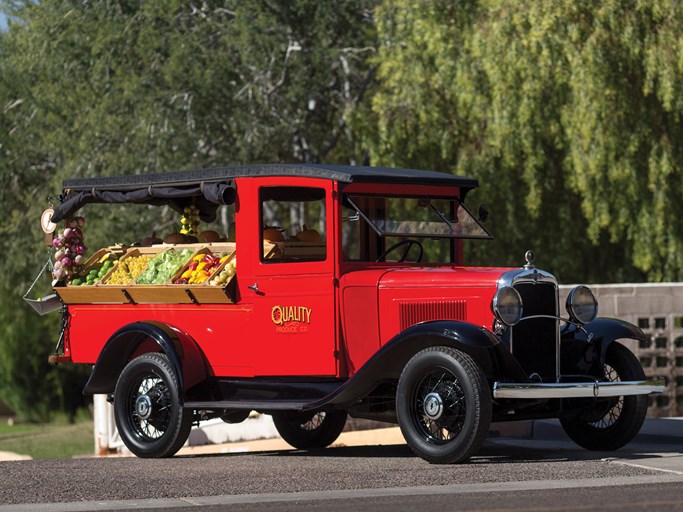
[{"x": 417, "y": 217}]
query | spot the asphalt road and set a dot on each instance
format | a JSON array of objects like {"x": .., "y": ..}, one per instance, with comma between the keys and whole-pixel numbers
[{"x": 545, "y": 473}]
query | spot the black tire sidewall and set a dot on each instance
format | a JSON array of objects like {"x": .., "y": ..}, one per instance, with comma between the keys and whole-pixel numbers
[
  {"x": 478, "y": 405},
  {"x": 324, "y": 435},
  {"x": 631, "y": 417},
  {"x": 180, "y": 421}
]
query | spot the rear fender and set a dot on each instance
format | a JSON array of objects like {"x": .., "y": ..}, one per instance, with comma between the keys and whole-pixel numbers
[{"x": 140, "y": 337}]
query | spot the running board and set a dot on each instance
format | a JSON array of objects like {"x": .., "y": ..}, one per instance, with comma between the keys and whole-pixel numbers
[
  {"x": 577, "y": 389},
  {"x": 250, "y": 405}
]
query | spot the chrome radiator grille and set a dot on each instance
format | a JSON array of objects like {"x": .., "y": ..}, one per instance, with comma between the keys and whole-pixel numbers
[{"x": 534, "y": 342}]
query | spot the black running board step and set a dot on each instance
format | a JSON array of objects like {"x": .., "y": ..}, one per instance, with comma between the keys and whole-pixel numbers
[{"x": 255, "y": 405}]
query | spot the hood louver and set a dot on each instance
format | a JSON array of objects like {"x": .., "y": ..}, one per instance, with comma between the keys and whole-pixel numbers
[{"x": 414, "y": 312}]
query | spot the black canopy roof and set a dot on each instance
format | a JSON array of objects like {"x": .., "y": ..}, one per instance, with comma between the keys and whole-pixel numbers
[{"x": 207, "y": 188}]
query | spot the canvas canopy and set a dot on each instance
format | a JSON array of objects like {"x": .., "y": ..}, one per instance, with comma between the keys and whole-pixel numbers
[
  {"x": 205, "y": 196},
  {"x": 209, "y": 188}
]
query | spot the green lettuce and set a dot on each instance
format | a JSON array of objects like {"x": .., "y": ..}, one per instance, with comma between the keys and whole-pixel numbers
[{"x": 164, "y": 266}]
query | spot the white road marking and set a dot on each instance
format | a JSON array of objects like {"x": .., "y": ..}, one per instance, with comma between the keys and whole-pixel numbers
[{"x": 202, "y": 501}]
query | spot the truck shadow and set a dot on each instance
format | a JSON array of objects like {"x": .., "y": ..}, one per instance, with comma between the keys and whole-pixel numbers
[{"x": 497, "y": 451}]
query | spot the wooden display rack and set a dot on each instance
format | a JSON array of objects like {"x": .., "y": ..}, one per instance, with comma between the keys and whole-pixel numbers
[{"x": 167, "y": 293}]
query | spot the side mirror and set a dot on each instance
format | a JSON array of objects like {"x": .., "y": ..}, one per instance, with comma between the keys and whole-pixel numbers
[{"x": 483, "y": 213}]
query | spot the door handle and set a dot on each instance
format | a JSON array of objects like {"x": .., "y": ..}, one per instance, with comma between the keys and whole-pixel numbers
[{"x": 253, "y": 287}]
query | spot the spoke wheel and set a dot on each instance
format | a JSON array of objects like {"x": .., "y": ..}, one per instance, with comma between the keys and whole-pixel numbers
[
  {"x": 310, "y": 430},
  {"x": 443, "y": 404},
  {"x": 439, "y": 406},
  {"x": 609, "y": 424},
  {"x": 147, "y": 408}
]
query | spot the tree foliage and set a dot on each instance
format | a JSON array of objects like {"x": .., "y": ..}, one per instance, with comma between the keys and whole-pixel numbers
[
  {"x": 567, "y": 112},
  {"x": 118, "y": 87}
]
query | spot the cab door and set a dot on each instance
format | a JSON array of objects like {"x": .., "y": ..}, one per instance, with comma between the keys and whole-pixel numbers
[{"x": 292, "y": 287}]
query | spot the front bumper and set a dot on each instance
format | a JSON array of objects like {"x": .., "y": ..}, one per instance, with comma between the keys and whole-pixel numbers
[{"x": 576, "y": 389}]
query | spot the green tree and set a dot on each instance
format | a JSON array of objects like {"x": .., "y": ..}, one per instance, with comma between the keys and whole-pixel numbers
[
  {"x": 117, "y": 87},
  {"x": 565, "y": 111}
]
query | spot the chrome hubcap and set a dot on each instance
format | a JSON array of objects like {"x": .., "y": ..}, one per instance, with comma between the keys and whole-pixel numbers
[
  {"x": 143, "y": 407},
  {"x": 433, "y": 406}
]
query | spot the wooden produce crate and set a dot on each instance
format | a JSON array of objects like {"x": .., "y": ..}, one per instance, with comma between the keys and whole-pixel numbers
[
  {"x": 92, "y": 294},
  {"x": 158, "y": 293},
  {"x": 204, "y": 293},
  {"x": 121, "y": 291}
]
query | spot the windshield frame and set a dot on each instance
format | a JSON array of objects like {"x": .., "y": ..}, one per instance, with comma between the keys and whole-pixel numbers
[{"x": 439, "y": 215}]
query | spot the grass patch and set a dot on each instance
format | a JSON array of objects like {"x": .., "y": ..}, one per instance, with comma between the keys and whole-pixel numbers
[
  {"x": 14, "y": 429},
  {"x": 51, "y": 441}
]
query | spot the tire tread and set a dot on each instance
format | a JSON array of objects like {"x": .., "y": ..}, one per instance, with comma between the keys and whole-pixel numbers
[
  {"x": 481, "y": 402},
  {"x": 630, "y": 420},
  {"x": 183, "y": 420}
]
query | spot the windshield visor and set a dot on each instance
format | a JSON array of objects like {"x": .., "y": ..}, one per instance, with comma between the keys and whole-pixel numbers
[{"x": 417, "y": 217}]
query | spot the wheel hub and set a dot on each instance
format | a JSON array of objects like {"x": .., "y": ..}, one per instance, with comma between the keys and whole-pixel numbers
[
  {"x": 433, "y": 406},
  {"x": 143, "y": 407}
]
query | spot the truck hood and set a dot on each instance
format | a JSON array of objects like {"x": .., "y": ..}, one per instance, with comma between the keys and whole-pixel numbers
[
  {"x": 407, "y": 296},
  {"x": 430, "y": 277}
]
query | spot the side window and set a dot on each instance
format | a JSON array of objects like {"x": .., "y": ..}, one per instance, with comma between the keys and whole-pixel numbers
[{"x": 293, "y": 221}]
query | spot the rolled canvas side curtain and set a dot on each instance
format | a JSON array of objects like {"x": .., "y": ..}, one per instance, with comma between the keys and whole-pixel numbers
[{"x": 205, "y": 196}]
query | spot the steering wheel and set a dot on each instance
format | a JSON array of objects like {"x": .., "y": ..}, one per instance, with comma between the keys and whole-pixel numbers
[{"x": 409, "y": 243}]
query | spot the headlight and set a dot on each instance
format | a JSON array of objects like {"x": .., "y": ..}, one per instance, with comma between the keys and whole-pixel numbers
[
  {"x": 507, "y": 305},
  {"x": 581, "y": 305}
]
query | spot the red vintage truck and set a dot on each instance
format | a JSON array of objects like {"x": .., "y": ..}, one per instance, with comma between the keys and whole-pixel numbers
[{"x": 351, "y": 297}]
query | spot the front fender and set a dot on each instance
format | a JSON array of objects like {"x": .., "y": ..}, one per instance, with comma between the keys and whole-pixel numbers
[
  {"x": 613, "y": 329},
  {"x": 607, "y": 330},
  {"x": 587, "y": 355},
  {"x": 388, "y": 363},
  {"x": 182, "y": 351}
]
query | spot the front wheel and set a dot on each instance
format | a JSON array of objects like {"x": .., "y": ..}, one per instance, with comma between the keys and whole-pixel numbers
[
  {"x": 310, "y": 430},
  {"x": 610, "y": 423},
  {"x": 147, "y": 409},
  {"x": 443, "y": 404}
]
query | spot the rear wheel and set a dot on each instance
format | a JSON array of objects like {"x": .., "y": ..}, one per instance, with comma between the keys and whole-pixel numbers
[
  {"x": 310, "y": 430},
  {"x": 443, "y": 404},
  {"x": 610, "y": 423},
  {"x": 147, "y": 408}
]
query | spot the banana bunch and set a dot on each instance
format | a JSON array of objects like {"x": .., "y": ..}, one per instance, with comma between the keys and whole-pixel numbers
[{"x": 190, "y": 221}]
